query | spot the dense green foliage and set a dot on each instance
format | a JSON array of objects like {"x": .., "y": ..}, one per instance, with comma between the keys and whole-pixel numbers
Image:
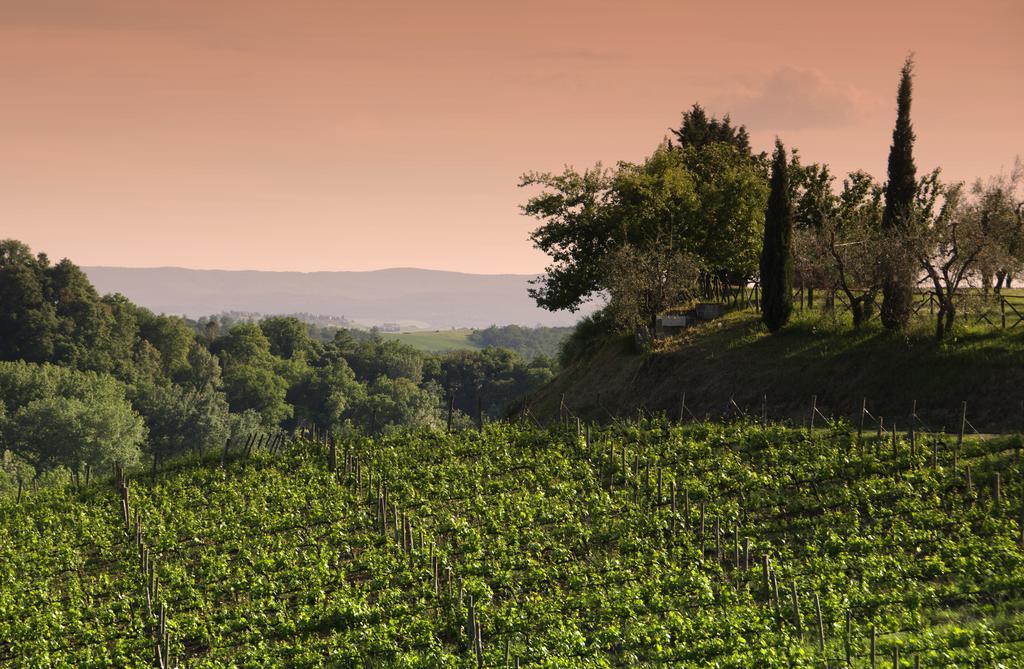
[
  {"x": 530, "y": 343},
  {"x": 90, "y": 367},
  {"x": 643, "y": 546},
  {"x": 776, "y": 253},
  {"x": 703, "y": 198},
  {"x": 54, "y": 416},
  {"x": 699, "y": 130}
]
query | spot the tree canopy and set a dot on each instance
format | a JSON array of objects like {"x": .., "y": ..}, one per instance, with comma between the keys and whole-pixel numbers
[
  {"x": 703, "y": 197},
  {"x": 56, "y": 416}
]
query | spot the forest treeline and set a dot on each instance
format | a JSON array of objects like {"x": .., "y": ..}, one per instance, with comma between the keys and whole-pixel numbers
[
  {"x": 528, "y": 342},
  {"x": 86, "y": 380},
  {"x": 700, "y": 212}
]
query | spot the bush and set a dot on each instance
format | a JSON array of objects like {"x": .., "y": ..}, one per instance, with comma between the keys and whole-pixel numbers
[
  {"x": 61, "y": 417},
  {"x": 589, "y": 333}
]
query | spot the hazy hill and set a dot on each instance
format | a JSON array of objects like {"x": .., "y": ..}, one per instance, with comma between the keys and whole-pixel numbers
[{"x": 429, "y": 298}]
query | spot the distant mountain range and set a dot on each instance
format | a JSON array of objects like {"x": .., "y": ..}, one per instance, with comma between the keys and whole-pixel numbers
[{"x": 410, "y": 297}]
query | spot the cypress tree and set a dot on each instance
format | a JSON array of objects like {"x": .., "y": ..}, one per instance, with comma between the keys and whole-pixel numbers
[
  {"x": 776, "y": 255},
  {"x": 900, "y": 191}
]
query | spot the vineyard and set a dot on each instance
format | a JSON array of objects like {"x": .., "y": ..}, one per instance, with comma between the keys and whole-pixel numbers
[{"x": 649, "y": 543}]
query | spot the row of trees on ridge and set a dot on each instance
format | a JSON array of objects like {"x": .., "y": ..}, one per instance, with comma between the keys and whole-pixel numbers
[{"x": 703, "y": 208}]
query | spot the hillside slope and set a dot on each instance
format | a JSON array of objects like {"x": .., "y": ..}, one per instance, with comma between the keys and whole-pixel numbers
[
  {"x": 733, "y": 360},
  {"x": 648, "y": 545}
]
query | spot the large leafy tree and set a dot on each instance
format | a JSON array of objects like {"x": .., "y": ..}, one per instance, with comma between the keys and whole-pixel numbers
[
  {"x": 397, "y": 402},
  {"x": 57, "y": 416},
  {"x": 328, "y": 394},
  {"x": 172, "y": 337},
  {"x": 377, "y": 357},
  {"x": 182, "y": 419},
  {"x": 251, "y": 378},
  {"x": 488, "y": 381},
  {"x": 288, "y": 336},
  {"x": 576, "y": 232},
  {"x": 83, "y": 321},
  {"x": 900, "y": 194},
  {"x": 776, "y": 256},
  {"x": 28, "y": 318},
  {"x": 732, "y": 190},
  {"x": 657, "y": 204},
  {"x": 705, "y": 200}
]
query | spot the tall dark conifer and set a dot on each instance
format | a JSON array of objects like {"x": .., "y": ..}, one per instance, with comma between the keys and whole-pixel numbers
[
  {"x": 776, "y": 254},
  {"x": 900, "y": 190}
]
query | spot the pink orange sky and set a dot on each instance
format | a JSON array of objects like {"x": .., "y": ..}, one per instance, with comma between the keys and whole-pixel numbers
[{"x": 333, "y": 135}]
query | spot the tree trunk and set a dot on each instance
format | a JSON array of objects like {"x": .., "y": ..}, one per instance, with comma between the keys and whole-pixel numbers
[
  {"x": 857, "y": 308},
  {"x": 945, "y": 318},
  {"x": 862, "y": 308},
  {"x": 1000, "y": 277}
]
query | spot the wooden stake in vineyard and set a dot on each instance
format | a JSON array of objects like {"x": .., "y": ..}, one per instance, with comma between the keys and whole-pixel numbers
[
  {"x": 778, "y": 600},
  {"x": 997, "y": 491},
  {"x": 821, "y": 626},
  {"x": 766, "y": 576},
  {"x": 848, "y": 647},
  {"x": 796, "y": 612},
  {"x": 814, "y": 410},
  {"x": 963, "y": 426},
  {"x": 860, "y": 424},
  {"x": 673, "y": 529}
]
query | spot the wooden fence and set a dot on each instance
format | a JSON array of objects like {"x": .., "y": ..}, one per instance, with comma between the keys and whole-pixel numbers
[{"x": 1004, "y": 310}]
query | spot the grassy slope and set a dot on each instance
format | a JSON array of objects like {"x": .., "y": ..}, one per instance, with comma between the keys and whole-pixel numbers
[
  {"x": 434, "y": 341},
  {"x": 734, "y": 358}
]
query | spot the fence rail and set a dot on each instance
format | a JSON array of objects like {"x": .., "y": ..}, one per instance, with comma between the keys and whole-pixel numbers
[{"x": 997, "y": 309}]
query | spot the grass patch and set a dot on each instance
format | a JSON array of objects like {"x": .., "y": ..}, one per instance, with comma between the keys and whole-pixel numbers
[
  {"x": 734, "y": 362},
  {"x": 434, "y": 341}
]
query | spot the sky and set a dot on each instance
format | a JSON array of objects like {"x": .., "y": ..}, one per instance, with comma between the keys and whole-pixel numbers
[{"x": 318, "y": 135}]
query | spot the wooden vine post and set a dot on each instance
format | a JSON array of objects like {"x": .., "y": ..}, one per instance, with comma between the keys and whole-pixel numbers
[
  {"x": 814, "y": 410},
  {"x": 821, "y": 625},
  {"x": 960, "y": 437},
  {"x": 796, "y": 612},
  {"x": 860, "y": 424},
  {"x": 848, "y": 641}
]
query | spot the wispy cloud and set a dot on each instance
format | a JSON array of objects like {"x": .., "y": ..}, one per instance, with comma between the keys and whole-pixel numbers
[
  {"x": 796, "y": 99},
  {"x": 90, "y": 14}
]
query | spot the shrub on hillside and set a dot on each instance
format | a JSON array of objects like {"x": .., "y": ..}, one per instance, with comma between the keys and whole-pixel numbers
[{"x": 588, "y": 333}]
